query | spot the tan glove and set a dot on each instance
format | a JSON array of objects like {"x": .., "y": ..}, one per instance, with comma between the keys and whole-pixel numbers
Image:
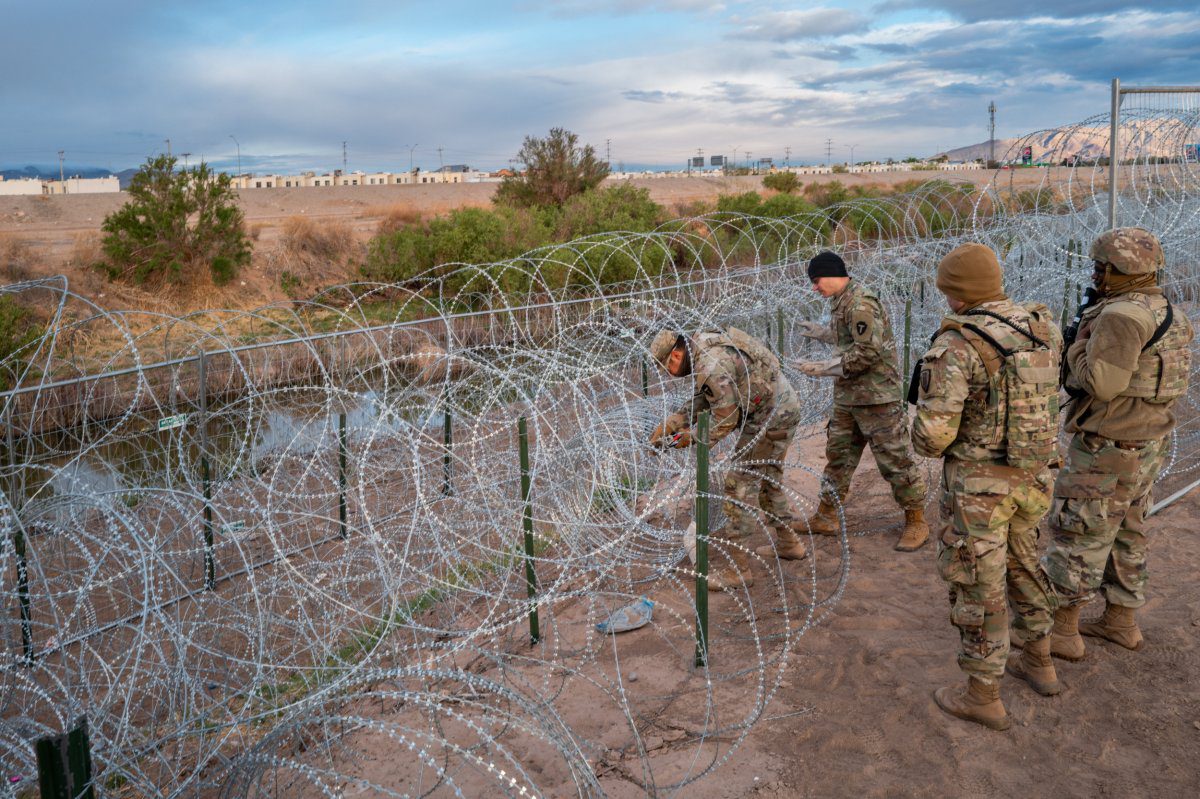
[
  {"x": 814, "y": 330},
  {"x": 829, "y": 368}
]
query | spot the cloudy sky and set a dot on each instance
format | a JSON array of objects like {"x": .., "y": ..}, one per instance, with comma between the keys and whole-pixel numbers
[{"x": 109, "y": 81}]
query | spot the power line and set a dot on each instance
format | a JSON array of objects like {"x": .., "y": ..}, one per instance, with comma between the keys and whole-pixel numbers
[
  {"x": 787, "y": 156},
  {"x": 828, "y": 150},
  {"x": 343, "y": 157}
]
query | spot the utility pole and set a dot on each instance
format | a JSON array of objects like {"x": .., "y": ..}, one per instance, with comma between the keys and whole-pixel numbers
[
  {"x": 61, "y": 153},
  {"x": 700, "y": 154},
  {"x": 441, "y": 163},
  {"x": 749, "y": 163},
  {"x": 851, "y": 148},
  {"x": 735, "y": 149},
  {"x": 992, "y": 132},
  {"x": 239, "y": 149},
  {"x": 410, "y": 158},
  {"x": 185, "y": 158},
  {"x": 608, "y": 151},
  {"x": 343, "y": 158},
  {"x": 787, "y": 156},
  {"x": 168, "y": 141},
  {"x": 828, "y": 150}
]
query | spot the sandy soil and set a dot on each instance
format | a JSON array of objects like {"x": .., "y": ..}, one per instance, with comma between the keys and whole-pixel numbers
[
  {"x": 1128, "y": 724},
  {"x": 60, "y": 234}
]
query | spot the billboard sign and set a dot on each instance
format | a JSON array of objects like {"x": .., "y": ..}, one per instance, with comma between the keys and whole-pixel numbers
[
  {"x": 698, "y": 161},
  {"x": 1191, "y": 152},
  {"x": 716, "y": 160},
  {"x": 1026, "y": 155}
]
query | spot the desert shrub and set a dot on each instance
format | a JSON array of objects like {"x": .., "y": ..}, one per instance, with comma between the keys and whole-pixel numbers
[
  {"x": 86, "y": 250},
  {"x": 745, "y": 203},
  {"x": 255, "y": 231},
  {"x": 289, "y": 284},
  {"x": 18, "y": 330},
  {"x": 556, "y": 169},
  {"x": 840, "y": 169},
  {"x": 619, "y": 207},
  {"x": 174, "y": 221},
  {"x": 783, "y": 182},
  {"x": 785, "y": 205},
  {"x": 330, "y": 240},
  {"x": 827, "y": 194},
  {"x": 397, "y": 216}
]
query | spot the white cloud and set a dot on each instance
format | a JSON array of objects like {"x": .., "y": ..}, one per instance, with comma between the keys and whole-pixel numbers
[{"x": 790, "y": 26}]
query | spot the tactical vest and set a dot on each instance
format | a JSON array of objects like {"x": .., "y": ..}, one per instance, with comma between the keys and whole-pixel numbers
[
  {"x": 1021, "y": 408},
  {"x": 1164, "y": 365},
  {"x": 762, "y": 367}
]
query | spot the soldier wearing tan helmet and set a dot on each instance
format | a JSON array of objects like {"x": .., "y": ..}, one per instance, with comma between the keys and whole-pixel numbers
[
  {"x": 1127, "y": 368},
  {"x": 987, "y": 403},
  {"x": 739, "y": 381}
]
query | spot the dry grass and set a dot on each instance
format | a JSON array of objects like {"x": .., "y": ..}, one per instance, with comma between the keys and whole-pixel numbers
[
  {"x": 255, "y": 230},
  {"x": 394, "y": 217},
  {"x": 86, "y": 251},
  {"x": 17, "y": 260},
  {"x": 330, "y": 241}
]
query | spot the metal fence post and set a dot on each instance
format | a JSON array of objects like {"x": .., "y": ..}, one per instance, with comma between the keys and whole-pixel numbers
[
  {"x": 210, "y": 564},
  {"x": 447, "y": 449},
  {"x": 645, "y": 378},
  {"x": 1113, "y": 152},
  {"x": 15, "y": 501},
  {"x": 527, "y": 524},
  {"x": 64, "y": 764},
  {"x": 702, "y": 540},
  {"x": 342, "y": 474},
  {"x": 907, "y": 374},
  {"x": 779, "y": 330}
]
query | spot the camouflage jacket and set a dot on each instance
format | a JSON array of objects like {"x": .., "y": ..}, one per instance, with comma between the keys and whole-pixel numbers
[
  {"x": 863, "y": 337},
  {"x": 736, "y": 377},
  {"x": 1122, "y": 391},
  {"x": 960, "y": 405}
]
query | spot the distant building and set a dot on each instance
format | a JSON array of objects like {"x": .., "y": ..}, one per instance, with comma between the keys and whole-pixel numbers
[
  {"x": 453, "y": 173},
  {"x": 108, "y": 185},
  {"x": 12, "y": 188}
]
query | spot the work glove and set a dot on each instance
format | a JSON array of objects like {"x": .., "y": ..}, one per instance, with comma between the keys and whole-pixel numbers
[
  {"x": 829, "y": 368},
  {"x": 814, "y": 330}
]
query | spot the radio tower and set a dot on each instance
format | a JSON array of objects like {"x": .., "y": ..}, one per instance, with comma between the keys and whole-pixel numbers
[
  {"x": 828, "y": 150},
  {"x": 992, "y": 133}
]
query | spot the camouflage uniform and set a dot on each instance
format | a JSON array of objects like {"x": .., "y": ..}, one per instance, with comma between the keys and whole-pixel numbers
[
  {"x": 1120, "y": 416},
  {"x": 987, "y": 539},
  {"x": 739, "y": 381},
  {"x": 867, "y": 407}
]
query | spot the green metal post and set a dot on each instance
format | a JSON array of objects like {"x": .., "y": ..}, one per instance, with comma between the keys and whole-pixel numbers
[
  {"x": 342, "y": 474},
  {"x": 1066, "y": 311},
  {"x": 16, "y": 501},
  {"x": 527, "y": 523},
  {"x": 447, "y": 449},
  {"x": 702, "y": 540},
  {"x": 779, "y": 330},
  {"x": 907, "y": 346},
  {"x": 210, "y": 564},
  {"x": 64, "y": 764},
  {"x": 645, "y": 379}
]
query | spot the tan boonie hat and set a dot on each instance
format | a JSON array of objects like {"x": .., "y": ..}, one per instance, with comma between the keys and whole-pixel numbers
[
  {"x": 662, "y": 345},
  {"x": 1131, "y": 250}
]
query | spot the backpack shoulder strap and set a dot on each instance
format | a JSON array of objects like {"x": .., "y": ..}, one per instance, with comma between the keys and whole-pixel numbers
[{"x": 1162, "y": 329}]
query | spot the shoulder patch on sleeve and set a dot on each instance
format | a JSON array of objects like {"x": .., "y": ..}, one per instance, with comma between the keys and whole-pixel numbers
[{"x": 862, "y": 322}]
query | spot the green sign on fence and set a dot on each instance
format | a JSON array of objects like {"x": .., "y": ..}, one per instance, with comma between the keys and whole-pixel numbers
[{"x": 171, "y": 422}]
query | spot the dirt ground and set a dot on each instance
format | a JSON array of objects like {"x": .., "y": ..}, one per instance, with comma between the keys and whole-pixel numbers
[
  {"x": 60, "y": 234},
  {"x": 1127, "y": 725}
]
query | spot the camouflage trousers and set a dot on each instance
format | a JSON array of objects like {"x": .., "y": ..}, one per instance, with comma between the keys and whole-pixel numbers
[
  {"x": 765, "y": 437},
  {"x": 885, "y": 428},
  {"x": 987, "y": 554},
  {"x": 1100, "y": 504}
]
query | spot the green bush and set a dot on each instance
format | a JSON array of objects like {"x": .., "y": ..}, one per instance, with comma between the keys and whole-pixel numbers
[
  {"x": 746, "y": 203},
  {"x": 173, "y": 221},
  {"x": 785, "y": 205},
  {"x": 619, "y": 207},
  {"x": 783, "y": 182},
  {"x": 556, "y": 169},
  {"x": 18, "y": 329}
]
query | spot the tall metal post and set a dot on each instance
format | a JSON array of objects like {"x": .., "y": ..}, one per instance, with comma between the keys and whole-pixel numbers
[
  {"x": 15, "y": 500},
  {"x": 527, "y": 523},
  {"x": 210, "y": 565},
  {"x": 702, "y": 540},
  {"x": 645, "y": 379},
  {"x": 447, "y": 449},
  {"x": 907, "y": 346},
  {"x": 779, "y": 330},
  {"x": 342, "y": 474},
  {"x": 1113, "y": 152}
]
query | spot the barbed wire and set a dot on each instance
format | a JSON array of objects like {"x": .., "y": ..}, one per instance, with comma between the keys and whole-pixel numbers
[{"x": 278, "y": 552}]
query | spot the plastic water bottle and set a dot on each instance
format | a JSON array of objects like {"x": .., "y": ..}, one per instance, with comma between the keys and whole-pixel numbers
[{"x": 630, "y": 617}]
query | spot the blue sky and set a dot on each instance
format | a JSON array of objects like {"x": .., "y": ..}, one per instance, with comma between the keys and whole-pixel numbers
[{"x": 109, "y": 81}]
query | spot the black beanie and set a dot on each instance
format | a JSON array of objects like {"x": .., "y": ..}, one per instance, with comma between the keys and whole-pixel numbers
[{"x": 826, "y": 264}]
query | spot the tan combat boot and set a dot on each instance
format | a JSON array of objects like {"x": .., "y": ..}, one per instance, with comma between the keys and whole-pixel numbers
[
  {"x": 1065, "y": 641},
  {"x": 823, "y": 522},
  {"x": 1034, "y": 665},
  {"x": 978, "y": 702},
  {"x": 788, "y": 546},
  {"x": 1116, "y": 625},
  {"x": 916, "y": 531},
  {"x": 734, "y": 574}
]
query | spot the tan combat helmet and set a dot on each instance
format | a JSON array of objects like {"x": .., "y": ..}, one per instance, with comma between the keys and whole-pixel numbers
[
  {"x": 662, "y": 345},
  {"x": 1130, "y": 250}
]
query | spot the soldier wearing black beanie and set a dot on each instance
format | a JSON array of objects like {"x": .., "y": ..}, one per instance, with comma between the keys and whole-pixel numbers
[{"x": 827, "y": 264}]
